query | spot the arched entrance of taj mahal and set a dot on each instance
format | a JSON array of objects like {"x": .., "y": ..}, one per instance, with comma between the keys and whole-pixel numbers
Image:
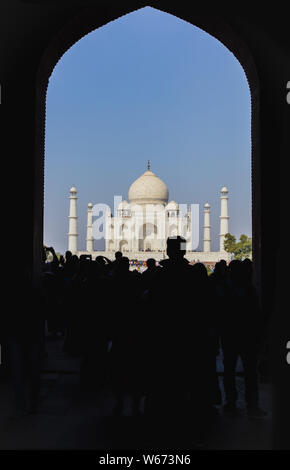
[
  {"x": 217, "y": 29},
  {"x": 41, "y": 38}
]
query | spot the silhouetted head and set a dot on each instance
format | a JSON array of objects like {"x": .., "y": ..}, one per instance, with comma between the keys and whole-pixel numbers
[
  {"x": 248, "y": 269},
  {"x": 84, "y": 268},
  {"x": 100, "y": 261},
  {"x": 217, "y": 268},
  {"x": 75, "y": 261},
  {"x": 220, "y": 268},
  {"x": 118, "y": 255},
  {"x": 68, "y": 255},
  {"x": 123, "y": 264},
  {"x": 199, "y": 272},
  {"x": 236, "y": 271},
  {"x": 176, "y": 248},
  {"x": 150, "y": 263}
]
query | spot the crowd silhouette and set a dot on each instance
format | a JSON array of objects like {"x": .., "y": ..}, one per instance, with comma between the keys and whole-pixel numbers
[{"x": 153, "y": 336}]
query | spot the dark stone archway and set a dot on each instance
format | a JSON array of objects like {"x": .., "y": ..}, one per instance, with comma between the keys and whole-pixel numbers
[{"x": 35, "y": 33}]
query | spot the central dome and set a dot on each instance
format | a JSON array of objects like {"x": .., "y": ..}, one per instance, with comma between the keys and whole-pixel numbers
[{"x": 148, "y": 189}]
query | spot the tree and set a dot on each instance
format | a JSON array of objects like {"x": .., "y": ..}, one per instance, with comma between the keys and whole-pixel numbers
[
  {"x": 241, "y": 249},
  {"x": 229, "y": 243}
]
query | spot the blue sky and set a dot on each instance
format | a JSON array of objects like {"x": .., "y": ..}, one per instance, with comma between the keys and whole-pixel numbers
[{"x": 147, "y": 86}]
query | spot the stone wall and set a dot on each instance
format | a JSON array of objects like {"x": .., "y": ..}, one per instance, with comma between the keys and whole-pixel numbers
[{"x": 192, "y": 256}]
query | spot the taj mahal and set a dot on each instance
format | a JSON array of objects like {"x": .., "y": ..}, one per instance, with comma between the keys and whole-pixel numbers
[{"x": 140, "y": 227}]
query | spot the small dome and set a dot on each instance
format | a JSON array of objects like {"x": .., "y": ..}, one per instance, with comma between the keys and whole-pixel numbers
[
  {"x": 148, "y": 189},
  {"x": 207, "y": 205},
  {"x": 73, "y": 189},
  {"x": 224, "y": 190},
  {"x": 172, "y": 206},
  {"x": 123, "y": 205},
  {"x": 90, "y": 204}
]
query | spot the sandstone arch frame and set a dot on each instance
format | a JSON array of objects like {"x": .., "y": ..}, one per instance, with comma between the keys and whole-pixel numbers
[{"x": 35, "y": 33}]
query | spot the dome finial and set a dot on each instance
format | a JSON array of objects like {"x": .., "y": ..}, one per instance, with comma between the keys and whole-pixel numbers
[{"x": 148, "y": 165}]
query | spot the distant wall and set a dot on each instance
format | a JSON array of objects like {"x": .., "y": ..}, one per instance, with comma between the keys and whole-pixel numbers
[{"x": 210, "y": 257}]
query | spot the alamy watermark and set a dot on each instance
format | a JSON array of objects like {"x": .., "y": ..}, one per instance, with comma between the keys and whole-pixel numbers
[
  {"x": 146, "y": 222},
  {"x": 288, "y": 94},
  {"x": 288, "y": 352}
]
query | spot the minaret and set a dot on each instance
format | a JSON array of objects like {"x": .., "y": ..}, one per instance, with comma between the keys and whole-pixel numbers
[
  {"x": 73, "y": 222},
  {"x": 224, "y": 217},
  {"x": 206, "y": 227},
  {"x": 90, "y": 239}
]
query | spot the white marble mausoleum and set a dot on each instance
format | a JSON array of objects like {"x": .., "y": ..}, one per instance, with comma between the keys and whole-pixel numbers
[{"x": 140, "y": 226}]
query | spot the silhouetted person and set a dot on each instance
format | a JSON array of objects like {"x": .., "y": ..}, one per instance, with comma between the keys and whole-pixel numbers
[
  {"x": 205, "y": 304},
  {"x": 94, "y": 334},
  {"x": 178, "y": 341},
  {"x": 68, "y": 256},
  {"x": 149, "y": 274},
  {"x": 248, "y": 271},
  {"x": 25, "y": 337},
  {"x": 125, "y": 366},
  {"x": 72, "y": 305},
  {"x": 114, "y": 264},
  {"x": 240, "y": 336},
  {"x": 151, "y": 264},
  {"x": 52, "y": 283}
]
